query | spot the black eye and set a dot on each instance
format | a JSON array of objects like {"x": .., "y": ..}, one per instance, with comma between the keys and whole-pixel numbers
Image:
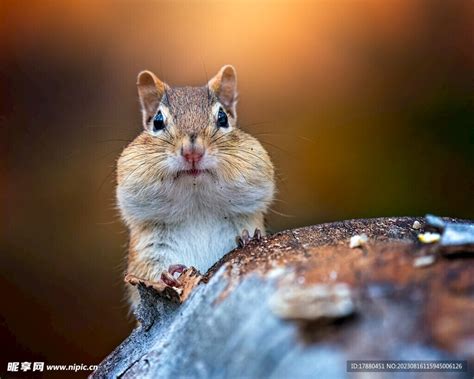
[
  {"x": 158, "y": 122},
  {"x": 222, "y": 121}
]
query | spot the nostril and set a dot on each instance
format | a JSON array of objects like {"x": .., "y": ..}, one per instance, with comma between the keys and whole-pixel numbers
[{"x": 193, "y": 156}]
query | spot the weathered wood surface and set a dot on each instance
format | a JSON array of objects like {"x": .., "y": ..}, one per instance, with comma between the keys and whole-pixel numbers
[{"x": 228, "y": 328}]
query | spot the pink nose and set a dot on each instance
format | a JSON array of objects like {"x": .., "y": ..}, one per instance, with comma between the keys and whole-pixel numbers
[{"x": 193, "y": 156}]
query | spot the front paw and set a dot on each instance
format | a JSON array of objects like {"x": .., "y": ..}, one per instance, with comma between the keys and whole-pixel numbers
[
  {"x": 245, "y": 238},
  {"x": 158, "y": 285},
  {"x": 171, "y": 286},
  {"x": 170, "y": 278}
]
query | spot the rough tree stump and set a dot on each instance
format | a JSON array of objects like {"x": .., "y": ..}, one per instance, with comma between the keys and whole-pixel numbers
[{"x": 301, "y": 303}]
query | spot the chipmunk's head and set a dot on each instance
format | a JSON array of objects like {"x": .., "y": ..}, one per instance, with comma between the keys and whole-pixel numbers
[{"x": 191, "y": 150}]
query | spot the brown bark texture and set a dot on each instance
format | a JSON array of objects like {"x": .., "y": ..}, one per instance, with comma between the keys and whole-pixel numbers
[{"x": 301, "y": 303}]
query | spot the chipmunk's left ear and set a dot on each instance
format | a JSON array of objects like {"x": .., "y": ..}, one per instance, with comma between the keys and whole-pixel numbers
[{"x": 224, "y": 85}]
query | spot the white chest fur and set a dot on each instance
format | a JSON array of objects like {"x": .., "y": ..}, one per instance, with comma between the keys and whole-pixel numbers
[
  {"x": 195, "y": 220},
  {"x": 199, "y": 241}
]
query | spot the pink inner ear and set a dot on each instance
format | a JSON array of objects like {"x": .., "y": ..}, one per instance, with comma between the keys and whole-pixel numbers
[
  {"x": 227, "y": 90},
  {"x": 145, "y": 79},
  {"x": 224, "y": 84},
  {"x": 228, "y": 75},
  {"x": 150, "y": 91}
]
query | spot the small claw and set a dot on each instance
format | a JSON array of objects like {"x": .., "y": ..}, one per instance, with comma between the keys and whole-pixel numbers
[
  {"x": 245, "y": 236},
  {"x": 169, "y": 280},
  {"x": 173, "y": 269}
]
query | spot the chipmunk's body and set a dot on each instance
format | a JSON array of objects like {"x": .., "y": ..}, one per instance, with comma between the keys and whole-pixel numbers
[{"x": 192, "y": 181}]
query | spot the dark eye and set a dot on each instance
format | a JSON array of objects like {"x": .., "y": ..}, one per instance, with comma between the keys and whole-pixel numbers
[
  {"x": 158, "y": 122},
  {"x": 222, "y": 121}
]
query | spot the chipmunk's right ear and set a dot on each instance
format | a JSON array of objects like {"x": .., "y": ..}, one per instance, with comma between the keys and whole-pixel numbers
[{"x": 150, "y": 91}]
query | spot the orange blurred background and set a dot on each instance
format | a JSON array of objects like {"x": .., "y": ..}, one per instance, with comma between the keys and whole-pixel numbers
[{"x": 364, "y": 106}]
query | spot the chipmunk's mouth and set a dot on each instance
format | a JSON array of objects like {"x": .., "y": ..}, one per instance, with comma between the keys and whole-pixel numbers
[{"x": 192, "y": 172}]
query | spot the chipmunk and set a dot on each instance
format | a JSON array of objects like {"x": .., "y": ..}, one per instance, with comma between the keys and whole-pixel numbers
[{"x": 191, "y": 181}]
